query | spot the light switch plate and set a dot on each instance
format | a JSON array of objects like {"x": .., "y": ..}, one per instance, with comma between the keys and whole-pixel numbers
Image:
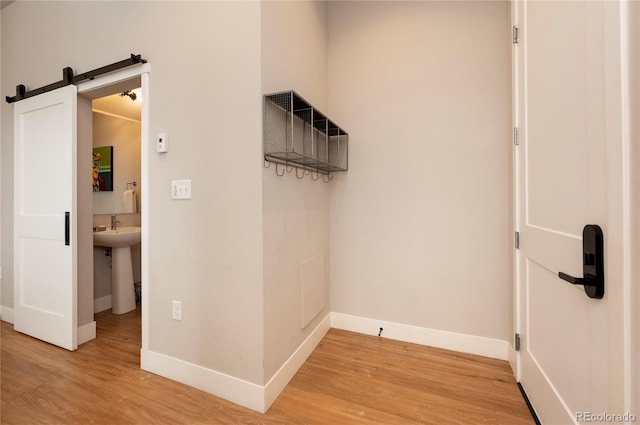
[{"x": 180, "y": 189}]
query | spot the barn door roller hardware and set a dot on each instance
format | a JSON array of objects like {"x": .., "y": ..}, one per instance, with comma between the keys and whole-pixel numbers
[{"x": 68, "y": 78}]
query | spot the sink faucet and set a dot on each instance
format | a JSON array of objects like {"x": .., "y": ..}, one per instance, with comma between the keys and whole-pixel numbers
[{"x": 114, "y": 222}]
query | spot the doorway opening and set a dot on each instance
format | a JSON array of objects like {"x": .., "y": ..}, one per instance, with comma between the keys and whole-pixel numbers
[
  {"x": 118, "y": 107},
  {"x": 116, "y": 178}
]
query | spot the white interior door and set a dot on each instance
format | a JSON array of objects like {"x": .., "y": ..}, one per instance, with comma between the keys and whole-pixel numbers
[
  {"x": 563, "y": 168},
  {"x": 45, "y": 182}
]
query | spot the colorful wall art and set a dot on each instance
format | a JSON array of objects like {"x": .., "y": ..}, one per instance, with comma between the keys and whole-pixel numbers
[{"x": 103, "y": 169}]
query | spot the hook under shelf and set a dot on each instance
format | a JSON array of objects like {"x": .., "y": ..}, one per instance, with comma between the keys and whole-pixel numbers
[{"x": 283, "y": 167}]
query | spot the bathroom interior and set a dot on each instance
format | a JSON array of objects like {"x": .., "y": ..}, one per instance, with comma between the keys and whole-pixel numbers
[{"x": 116, "y": 212}]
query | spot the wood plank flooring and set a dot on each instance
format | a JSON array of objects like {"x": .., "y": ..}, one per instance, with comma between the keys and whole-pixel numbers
[{"x": 349, "y": 379}]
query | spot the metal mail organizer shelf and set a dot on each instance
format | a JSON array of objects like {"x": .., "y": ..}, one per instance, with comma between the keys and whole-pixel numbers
[{"x": 297, "y": 134}]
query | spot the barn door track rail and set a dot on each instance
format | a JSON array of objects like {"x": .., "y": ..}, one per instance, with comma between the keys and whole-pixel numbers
[{"x": 68, "y": 78}]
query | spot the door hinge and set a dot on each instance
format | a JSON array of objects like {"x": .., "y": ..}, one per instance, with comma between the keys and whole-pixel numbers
[
  {"x": 516, "y": 34},
  {"x": 517, "y": 342},
  {"x": 516, "y": 136},
  {"x": 517, "y": 240}
]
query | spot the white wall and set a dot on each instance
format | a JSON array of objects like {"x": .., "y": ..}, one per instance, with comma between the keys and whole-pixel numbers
[
  {"x": 204, "y": 92},
  {"x": 421, "y": 224},
  {"x": 295, "y": 212}
]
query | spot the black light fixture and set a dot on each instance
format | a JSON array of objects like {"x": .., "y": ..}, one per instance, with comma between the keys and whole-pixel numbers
[{"x": 129, "y": 93}]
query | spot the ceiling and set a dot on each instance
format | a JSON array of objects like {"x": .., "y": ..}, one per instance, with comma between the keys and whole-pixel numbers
[{"x": 119, "y": 105}]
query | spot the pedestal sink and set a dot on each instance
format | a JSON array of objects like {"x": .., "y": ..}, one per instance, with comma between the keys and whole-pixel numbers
[{"x": 123, "y": 297}]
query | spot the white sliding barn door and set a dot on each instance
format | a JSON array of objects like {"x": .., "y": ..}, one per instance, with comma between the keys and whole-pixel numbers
[
  {"x": 45, "y": 249},
  {"x": 567, "y": 176}
]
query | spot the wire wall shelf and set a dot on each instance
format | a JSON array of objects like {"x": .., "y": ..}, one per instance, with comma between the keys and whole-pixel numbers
[{"x": 297, "y": 135}]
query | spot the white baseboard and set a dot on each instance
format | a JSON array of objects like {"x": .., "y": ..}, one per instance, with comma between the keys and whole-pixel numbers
[
  {"x": 488, "y": 347},
  {"x": 86, "y": 332},
  {"x": 282, "y": 377},
  {"x": 236, "y": 390},
  {"x": 260, "y": 398},
  {"x": 6, "y": 314},
  {"x": 244, "y": 393},
  {"x": 102, "y": 304}
]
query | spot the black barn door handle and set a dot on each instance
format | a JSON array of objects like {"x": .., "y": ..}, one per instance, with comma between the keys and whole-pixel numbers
[
  {"x": 67, "y": 227},
  {"x": 592, "y": 262}
]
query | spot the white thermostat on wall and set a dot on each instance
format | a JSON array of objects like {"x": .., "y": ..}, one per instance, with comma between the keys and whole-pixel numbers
[{"x": 162, "y": 143}]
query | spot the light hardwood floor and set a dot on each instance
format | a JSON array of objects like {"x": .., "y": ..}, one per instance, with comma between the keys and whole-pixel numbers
[{"x": 349, "y": 379}]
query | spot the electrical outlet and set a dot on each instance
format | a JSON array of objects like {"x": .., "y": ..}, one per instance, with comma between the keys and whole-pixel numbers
[{"x": 176, "y": 310}]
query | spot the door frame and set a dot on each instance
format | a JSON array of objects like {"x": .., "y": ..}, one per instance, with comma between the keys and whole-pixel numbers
[
  {"x": 633, "y": 78},
  {"x": 104, "y": 82},
  {"x": 618, "y": 242}
]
